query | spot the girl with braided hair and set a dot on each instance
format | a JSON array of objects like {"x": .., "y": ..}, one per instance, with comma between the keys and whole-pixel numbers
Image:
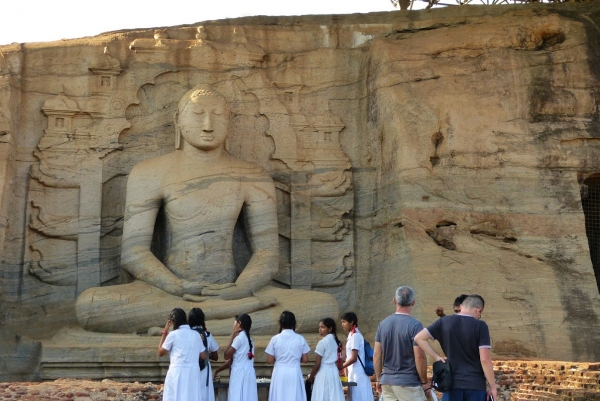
[
  {"x": 242, "y": 380},
  {"x": 325, "y": 374},
  {"x": 196, "y": 320}
]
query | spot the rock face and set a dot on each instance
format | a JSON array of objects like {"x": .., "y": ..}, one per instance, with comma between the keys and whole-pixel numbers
[{"x": 452, "y": 150}]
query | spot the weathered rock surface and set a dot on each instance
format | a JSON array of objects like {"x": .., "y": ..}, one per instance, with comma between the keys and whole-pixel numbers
[{"x": 444, "y": 149}]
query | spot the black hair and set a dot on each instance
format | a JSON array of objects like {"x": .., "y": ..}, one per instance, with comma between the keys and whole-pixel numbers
[
  {"x": 196, "y": 318},
  {"x": 178, "y": 318},
  {"x": 330, "y": 324},
  {"x": 287, "y": 320},
  {"x": 246, "y": 322},
  {"x": 351, "y": 318},
  {"x": 459, "y": 300}
]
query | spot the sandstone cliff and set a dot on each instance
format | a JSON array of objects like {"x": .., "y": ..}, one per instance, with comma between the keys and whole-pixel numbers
[{"x": 463, "y": 141}]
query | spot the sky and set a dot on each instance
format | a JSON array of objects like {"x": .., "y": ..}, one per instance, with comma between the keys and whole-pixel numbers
[{"x": 48, "y": 20}]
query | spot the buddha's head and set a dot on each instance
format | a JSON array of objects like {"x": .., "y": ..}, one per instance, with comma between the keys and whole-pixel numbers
[{"x": 202, "y": 118}]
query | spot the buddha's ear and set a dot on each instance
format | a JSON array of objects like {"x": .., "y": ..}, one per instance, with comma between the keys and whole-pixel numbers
[{"x": 177, "y": 133}]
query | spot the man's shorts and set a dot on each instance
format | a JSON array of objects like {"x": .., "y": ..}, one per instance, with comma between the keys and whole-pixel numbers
[
  {"x": 465, "y": 395},
  {"x": 402, "y": 393}
]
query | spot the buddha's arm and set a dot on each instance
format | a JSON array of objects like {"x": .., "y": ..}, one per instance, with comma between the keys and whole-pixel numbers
[{"x": 144, "y": 198}]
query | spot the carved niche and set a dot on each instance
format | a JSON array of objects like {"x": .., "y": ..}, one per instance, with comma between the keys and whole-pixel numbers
[{"x": 73, "y": 241}]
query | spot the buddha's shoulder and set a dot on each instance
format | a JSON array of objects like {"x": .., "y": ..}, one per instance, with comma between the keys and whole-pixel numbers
[
  {"x": 158, "y": 165},
  {"x": 173, "y": 163},
  {"x": 244, "y": 167}
]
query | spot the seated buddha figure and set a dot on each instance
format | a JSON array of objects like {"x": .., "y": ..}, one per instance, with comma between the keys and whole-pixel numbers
[{"x": 202, "y": 190}]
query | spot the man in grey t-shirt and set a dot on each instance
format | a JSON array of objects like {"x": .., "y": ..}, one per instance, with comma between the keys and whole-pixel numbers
[{"x": 404, "y": 363}]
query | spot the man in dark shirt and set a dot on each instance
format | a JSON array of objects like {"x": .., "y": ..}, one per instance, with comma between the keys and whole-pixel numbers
[{"x": 466, "y": 342}]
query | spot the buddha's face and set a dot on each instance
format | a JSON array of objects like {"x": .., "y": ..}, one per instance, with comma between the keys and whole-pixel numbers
[{"x": 204, "y": 122}]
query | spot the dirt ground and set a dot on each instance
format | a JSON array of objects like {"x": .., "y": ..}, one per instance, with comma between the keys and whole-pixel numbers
[{"x": 80, "y": 390}]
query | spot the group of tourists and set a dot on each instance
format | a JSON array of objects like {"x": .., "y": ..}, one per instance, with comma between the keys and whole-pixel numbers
[
  {"x": 401, "y": 345},
  {"x": 191, "y": 346},
  {"x": 399, "y": 358}
]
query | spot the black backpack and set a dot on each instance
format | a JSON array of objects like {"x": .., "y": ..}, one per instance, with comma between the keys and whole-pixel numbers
[{"x": 442, "y": 376}]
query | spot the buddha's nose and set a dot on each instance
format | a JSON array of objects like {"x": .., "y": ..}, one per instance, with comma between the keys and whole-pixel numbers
[{"x": 207, "y": 123}]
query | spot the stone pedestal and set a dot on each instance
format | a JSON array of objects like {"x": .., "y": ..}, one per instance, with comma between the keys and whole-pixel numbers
[{"x": 76, "y": 353}]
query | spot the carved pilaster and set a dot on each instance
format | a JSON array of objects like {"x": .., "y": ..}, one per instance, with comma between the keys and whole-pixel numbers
[{"x": 65, "y": 210}]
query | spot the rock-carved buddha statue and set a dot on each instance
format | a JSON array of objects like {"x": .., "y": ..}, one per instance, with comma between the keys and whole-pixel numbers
[{"x": 202, "y": 190}]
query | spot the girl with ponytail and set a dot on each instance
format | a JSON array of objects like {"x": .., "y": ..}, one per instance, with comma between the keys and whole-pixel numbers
[
  {"x": 325, "y": 374},
  {"x": 242, "y": 379},
  {"x": 355, "y": 348}
]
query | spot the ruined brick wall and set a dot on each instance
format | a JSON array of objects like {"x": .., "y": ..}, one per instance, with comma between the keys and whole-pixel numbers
[{"x": 540, "y": 380}]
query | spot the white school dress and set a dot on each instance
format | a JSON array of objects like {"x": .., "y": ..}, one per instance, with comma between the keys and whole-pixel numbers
[
  {"x": 287, "y": 383},
  {"x": 208, "y": 391},
  {"x": 327, "y": 385},
  {"x": 363, "y": 390},
  {"x": 242, "y": 380},
  {"x": 184, "y": 346}
]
